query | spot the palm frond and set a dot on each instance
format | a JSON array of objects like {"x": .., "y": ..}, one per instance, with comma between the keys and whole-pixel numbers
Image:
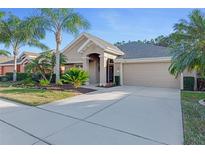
[
  {"x": 189, "y": 44},
  {"x": 4, "y": 52}
]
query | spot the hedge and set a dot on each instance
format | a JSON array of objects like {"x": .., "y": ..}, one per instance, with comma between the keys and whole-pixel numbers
[
  {"x": 20, "y": 76},
  {"x": 201, "y": 84},
  {"x": 3, "y": 78},
  {"x": 189, "y": 83}
]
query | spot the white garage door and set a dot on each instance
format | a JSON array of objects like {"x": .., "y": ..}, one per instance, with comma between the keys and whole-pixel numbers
[{"x": 149, "y": 74}]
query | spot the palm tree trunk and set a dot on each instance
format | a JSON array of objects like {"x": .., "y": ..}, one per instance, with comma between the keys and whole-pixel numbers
[
  {"x": 15, "y": 68},
  {"x": 57, "y": 67}
]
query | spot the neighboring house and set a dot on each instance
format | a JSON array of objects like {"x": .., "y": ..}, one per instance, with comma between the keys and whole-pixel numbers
[
  {"x": 5, "y": 58},
  {"x": 8, "y": 65},
  {"x": 136, "y": 63}
]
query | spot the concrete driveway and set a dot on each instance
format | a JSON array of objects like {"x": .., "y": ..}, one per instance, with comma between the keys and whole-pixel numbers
[{"x": 119, "y": 115}]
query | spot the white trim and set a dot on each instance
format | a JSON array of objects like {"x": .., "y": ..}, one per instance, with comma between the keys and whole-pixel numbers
[
  {"x": 114, "y": 52},
  {"x": 141, "y": 60},
  {"x": 108, "y": 49},
  {"x": 195, "y": 80},
  {"x": 84, "y": 44},
  {"x": 97, "y": 43},
  {"x": 72, "y": 42},
  {"x": 182, "y": 81},
  {"x": 74, "y": 62}
]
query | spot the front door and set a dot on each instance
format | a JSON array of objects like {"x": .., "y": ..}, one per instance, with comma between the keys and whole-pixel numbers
[{"x": 110, "y": 71}]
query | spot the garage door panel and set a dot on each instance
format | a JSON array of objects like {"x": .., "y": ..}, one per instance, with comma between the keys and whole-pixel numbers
[{"x": 149, "y": 74}]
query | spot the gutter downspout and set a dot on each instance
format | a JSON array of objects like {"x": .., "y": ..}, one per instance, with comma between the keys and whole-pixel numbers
[
  {"x": 182, "y": 81},
  {"x": 121, "y": 74}
]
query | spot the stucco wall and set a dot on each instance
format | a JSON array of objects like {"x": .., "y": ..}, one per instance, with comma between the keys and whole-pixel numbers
[
  {"x": 116, "y": 69},
  {"x": 187, "y": 73},
  {"x": 149, "y": 74},
  {"x": 93, "y": 49},
  {"x": 72, "y": 54}
]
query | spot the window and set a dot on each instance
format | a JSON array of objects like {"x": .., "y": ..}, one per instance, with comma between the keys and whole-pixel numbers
[{"x": 79, "y": 65}]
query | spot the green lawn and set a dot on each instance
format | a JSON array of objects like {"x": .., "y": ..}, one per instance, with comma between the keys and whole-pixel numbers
[
  {"x": 6, "y": 84},
  {"x": 33, "y": 97},
  {"x": 194, "y": 117}
]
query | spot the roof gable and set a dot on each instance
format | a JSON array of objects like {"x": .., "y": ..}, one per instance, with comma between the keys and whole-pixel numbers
[{"x": 101, "y": 43}]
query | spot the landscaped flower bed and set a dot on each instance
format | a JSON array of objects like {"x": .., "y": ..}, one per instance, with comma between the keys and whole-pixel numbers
[
  {"x": 66, "y": 87},
  {"x": 38, "y": 95}
]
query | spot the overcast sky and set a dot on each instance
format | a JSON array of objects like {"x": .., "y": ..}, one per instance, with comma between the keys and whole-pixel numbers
[{"x": 118, "y": 24}]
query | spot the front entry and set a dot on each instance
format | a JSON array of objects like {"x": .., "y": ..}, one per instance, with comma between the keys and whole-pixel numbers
[
  {"x": 94, "y": 70},
  {"x": 100, "y": 69},
  {"x": 110, "y": 71}
]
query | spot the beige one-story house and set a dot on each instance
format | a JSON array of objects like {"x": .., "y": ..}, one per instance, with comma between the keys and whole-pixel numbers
[{"x": 136, "y": 63}]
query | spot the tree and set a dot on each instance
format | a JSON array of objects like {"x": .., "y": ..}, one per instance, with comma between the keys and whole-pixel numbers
[
  {"x": 16, "y": 33},
  {"x": 189, "y": 45},
  {"x": 164, "y": 41},
  {"x": 3, "y": 52},
  {"x": 45, "y": 64},
  {"x": 58, "y": 21}
]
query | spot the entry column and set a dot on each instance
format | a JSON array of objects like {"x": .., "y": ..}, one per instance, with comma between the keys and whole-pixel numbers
[
  {"x": 103, "y": 66},
  {"x": 86, "y": 66}
]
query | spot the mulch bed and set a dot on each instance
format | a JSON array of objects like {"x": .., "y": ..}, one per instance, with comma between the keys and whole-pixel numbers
[{"x": 68, "y": 87}]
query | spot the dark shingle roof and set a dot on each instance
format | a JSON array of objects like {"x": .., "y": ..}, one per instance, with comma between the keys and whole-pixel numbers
[{"x": 142, "y": 50}]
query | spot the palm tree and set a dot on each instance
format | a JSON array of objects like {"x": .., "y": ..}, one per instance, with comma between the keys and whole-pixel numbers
[
  {"x": 2, "y": 14},
  {"x": 4, "y": 53},
  {"x": 58, "y": 21},
  {"x": 17, "y": 33},
  {"x": 189, "y": 45}
]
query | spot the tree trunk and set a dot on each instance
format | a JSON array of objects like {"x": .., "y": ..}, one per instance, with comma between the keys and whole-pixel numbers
[
  {"x": 57, "y": 67},
  {"x": 15, "y": 68}
]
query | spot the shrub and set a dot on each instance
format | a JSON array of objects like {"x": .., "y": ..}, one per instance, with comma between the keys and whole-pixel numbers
[
  {"x": 189, "y": 83},
  {"x": 3, "y": 78},
  {"x": 75, "y": 76},
  {"x": 36, "y": 77},
  {"x": 24, "y": 83},
  {"x": 44, "y": 83},
  {"x": 53, "y": 79},
  {"x": 201, "y": 84},
  {"x": 59, "y": 83},
  {"x": 20, "y": 76},
  {"x": 23, "y": 76},
  {"x": 9, "y": 76},
  {"x": 28, "y": 82}
]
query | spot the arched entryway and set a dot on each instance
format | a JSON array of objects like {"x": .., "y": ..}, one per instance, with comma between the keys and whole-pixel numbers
[
  {"x": 100, "y": 69},
  {"x": 94, "y": 68}
]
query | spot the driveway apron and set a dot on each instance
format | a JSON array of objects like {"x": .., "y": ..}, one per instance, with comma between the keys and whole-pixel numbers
[{"x": 118, "y": 115}]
